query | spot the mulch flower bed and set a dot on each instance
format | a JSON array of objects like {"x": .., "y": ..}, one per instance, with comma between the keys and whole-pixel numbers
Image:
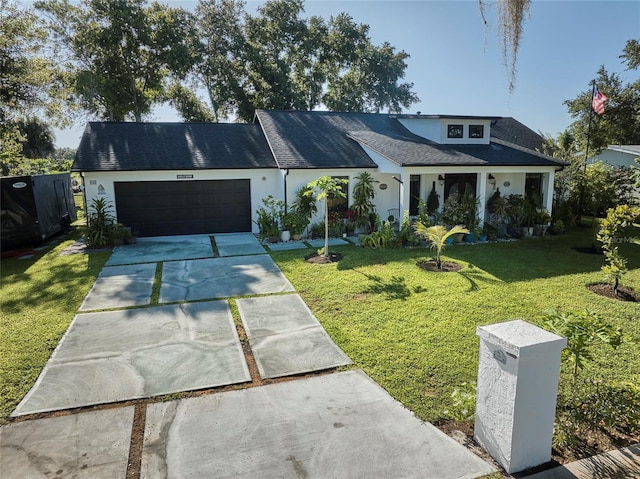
[
  {"x": 319, "y": 259},
  {"x": 447, "y": 266},
  {"x": 606, "y": 290}
]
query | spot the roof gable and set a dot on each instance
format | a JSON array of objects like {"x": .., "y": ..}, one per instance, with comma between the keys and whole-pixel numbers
[{"x": 127, "y": 146}]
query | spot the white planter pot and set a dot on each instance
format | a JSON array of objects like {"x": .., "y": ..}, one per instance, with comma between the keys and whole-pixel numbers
[{"x": 285, "y": 236}]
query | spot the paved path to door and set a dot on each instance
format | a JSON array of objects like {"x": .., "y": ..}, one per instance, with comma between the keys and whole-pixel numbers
[{"x": 339, "y": 424}]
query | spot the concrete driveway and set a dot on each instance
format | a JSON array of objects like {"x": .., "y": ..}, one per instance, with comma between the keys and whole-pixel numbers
[{"x": 279, "y": 422}]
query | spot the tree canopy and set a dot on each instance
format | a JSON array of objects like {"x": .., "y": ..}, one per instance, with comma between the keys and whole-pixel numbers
[
  {"x": 30, "y": 83},
  {"x": 122, "y": 57},
  {"x": 620, "y": 124},
  {"x": 278, "y": 59},
  {"x": 119, "y": 54}
]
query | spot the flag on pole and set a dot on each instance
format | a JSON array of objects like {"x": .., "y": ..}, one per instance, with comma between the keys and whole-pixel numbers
[{"x": 598, "y": 101}]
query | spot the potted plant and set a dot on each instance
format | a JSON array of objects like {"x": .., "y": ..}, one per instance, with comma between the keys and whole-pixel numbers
[
  {"x": 119, "y": 234},
  {"x": 469, "y": 204},
  {"x": 542, "y": 220},
  {"x": 295, "y": 223},
  {"x": 497, "y": 208},
  {"x": 490, "y": 231},
  {"x": 453, "y": 211}
]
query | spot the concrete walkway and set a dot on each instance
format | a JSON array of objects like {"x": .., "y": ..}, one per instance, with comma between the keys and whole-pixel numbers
[{"x": 337, "y": 424}]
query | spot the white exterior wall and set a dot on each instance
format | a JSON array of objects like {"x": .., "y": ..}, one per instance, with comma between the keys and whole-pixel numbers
[
  {"x": 428, "y": 128},
  {"x": 510, "y": 181},
  {"x": 384, "y": 200},
  {"x": 266, "y": 182},
  {"x": 436, "y": 129},
  {"x": 263, "y": 182}
]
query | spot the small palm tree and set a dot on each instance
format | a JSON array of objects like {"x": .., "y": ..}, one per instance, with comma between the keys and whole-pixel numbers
[{"x": 437, "y": 236}]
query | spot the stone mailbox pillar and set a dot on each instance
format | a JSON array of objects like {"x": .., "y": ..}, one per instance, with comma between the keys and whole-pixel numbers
[{"x": 516, "y": 395}]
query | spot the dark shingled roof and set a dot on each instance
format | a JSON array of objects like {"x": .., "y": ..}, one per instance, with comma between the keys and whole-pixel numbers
[
  {"x": 126, "y": 146},
  {"x": 414, "y": 150},
  {"x": 511, "y": 130},
  {"x": 318, "y": 139},
  {"x": 302, "y": 139}
]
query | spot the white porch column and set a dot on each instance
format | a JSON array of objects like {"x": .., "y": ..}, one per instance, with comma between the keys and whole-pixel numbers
[
  {"x": 548, "y": 195},
  {"x": 403, "y": 200},
  {"x": 482, "y": 196}
]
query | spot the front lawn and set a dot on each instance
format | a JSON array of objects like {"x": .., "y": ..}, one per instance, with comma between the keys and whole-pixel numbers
[
  {"x": 414, "y": 331},
  {"x": 39, "y": 297}
]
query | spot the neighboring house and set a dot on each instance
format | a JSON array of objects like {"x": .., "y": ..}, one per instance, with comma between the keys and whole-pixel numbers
[
  {"x": 185, "y": 178},
  {"x": 618, "y": 155}
]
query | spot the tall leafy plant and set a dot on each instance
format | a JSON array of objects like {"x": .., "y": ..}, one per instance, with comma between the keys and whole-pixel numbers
[
  {"x": 100, "y": 221},
  {"x": 584, "y": 331},
  {"x": 269, "y": 216},
  {"x": 363, "y": 194},
  {"x": 610, "y": 229},
  {"x": 433, "y": 201},
  {"x": 305, "y": 204}
]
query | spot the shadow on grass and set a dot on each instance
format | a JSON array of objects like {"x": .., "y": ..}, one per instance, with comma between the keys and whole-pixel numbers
[
  {"x": 476, "y": 277},
  {"x": 509, "y": 262},
  {"x": 395, "y": 288},
  {"x": 48, "y": 278}
]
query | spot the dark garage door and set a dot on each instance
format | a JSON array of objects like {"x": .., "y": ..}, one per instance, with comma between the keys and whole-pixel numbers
[{"x": 157, "y": 208}]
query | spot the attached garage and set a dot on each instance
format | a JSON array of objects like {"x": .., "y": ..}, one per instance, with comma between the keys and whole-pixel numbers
[
  {"x": 166, "y": 179},
  {"x": 157, "y": 208}
]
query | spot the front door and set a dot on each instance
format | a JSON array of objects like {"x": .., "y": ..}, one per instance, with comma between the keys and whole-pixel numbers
[{"x": 460, "y": 184}]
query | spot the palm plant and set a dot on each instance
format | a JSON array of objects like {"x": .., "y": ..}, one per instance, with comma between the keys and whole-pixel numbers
[{"x": 437, "y": 236}]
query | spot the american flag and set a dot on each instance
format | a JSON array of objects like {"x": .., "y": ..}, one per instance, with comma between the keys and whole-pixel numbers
[{"x": 598, "y": 101}]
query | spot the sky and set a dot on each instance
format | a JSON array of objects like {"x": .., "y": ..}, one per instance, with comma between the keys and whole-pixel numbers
[{"x": 455, "y": 60}]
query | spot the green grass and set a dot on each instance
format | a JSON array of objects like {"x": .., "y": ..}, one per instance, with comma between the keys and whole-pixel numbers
[
  {"x": 39, "y": 298},
  {"x": 414, "y": 332}
]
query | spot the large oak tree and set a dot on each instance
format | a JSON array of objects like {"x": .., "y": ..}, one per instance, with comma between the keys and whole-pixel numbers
[
  {"x": 119, "y": 54},
  {"x": 278, "y": 59}
]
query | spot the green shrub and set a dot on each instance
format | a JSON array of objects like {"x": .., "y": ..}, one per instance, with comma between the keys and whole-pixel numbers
[
  {"x": 584, "y": 330},
  {"x": 383, "y": 238},
  {"x": 614, "y": 405},
  {"x": 100, "y": 223},
  {"x": 269, "y": 216}
]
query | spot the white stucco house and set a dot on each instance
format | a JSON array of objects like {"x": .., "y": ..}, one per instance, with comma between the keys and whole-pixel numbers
[
  {"x": 618, "y": 155},
  {"x": 188, "y": 178}
]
